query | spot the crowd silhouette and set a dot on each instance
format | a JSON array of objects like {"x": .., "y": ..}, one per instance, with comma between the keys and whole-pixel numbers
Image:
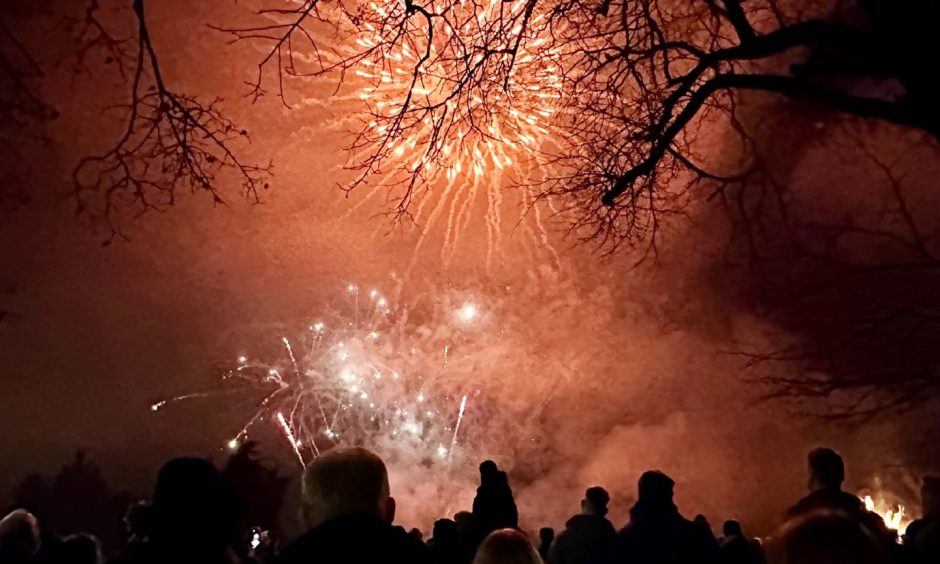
[{"x": 349, "y": 514}]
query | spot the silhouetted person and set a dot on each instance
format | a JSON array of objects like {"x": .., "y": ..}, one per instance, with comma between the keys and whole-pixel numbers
[
  {"x": 736, "y": 548},
  {"x": 19, "y": 537},
  {"x": 826, "y": 473},
  {"x": 80, "y": 548},
  {"x": 657, "y": 533},
  {"x": 922, "y": 538},
  {"x": 346, "y": 504},
  {"x": 188, "y": 519},
  {"x": 444, "y": 545},
  {"x": 546, "y": 537},
  {"x": 137, "y": 525},
  {"x": 588, "y": 537},
  {"x": 702, "y": 523},
  {"x": 507, "y": 546},
  {"x": 138, "y": 522},
  {"x": 826, "y": 537},
  {"x": 493, "y": 507},
  {"x": 466, "y": 534}
]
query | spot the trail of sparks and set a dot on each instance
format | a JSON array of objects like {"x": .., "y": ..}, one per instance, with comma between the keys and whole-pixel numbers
[
  {"x": 289, "y": 435},
  {"x": 453, "y": 441}
]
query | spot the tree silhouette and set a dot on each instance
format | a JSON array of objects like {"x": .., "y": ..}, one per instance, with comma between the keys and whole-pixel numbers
[
  {"x": 640, "y": 84},
  {"x": 33, "y": 494},
  {"x": 171, "y": 142},
  {"x": 643, "y": 80},
  {"x": 22, "y": 114},
  {"x": 78, "y": 499},
  {"x": 640, "y": 79},
  {"x": 858, "y": 291}
]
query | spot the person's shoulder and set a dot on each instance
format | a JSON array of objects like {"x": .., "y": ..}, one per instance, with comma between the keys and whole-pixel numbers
[
  {"x": 299, "y": 549},
  {"x": 405, "y": 548},
  {"x": 848, "y": 500},
  {"x": 915, "y": 525},
  {"x": 626, "y": 531},
  {"x": 805, "y": 504}
]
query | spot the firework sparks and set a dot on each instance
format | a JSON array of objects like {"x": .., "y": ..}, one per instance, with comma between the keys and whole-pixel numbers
[
  {"x": 366, "y": 369},
  {"x": 463, "y": 406},
  {"x": 289, "y": 435},
  {"x": 468, "y": 312},
  {"x": 411, "y": 97},
  {"x": 439, "y": 123},
  {"x": 346, "y": 382}
]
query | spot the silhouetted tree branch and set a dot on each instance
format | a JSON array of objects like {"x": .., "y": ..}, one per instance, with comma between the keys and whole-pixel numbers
[
  {"x": 858, "y": 293},
  {"x": 172, "y": 141},
  {"x": 23, "y": 112},
  {"x": 639, "y": 79}
]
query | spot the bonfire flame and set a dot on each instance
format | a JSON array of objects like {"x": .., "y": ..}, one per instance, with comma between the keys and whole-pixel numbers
[{"x": 894, "y": 516}]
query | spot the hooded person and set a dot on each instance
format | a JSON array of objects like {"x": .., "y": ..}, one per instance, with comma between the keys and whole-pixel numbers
[
  {"x": 494, "y": 506},
  {"x": 657, "y": 533},
  {"x": 588, "y": 537}
]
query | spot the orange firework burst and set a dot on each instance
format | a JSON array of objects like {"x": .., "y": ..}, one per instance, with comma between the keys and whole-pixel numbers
[
  {"x": 455, "y": 92},
  {"x": 423, "y": 113},
  {"x": 427, "y": 125}
]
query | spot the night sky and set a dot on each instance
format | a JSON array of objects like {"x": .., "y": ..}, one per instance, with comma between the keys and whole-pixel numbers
[{"x": 97, "y": 333}]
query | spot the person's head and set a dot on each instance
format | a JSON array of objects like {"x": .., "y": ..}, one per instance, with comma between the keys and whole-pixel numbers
[
  {"x": 546, "y": 534},
  {"x": 19, "y": 531},
  {"x": 825, "y": 537},
  {"x": 506, "y": 546},
  {"x": 595, "y": 501},
  {"x": 444, "y": 531},
  {"x": 732, "y": 527},
  {"x": 137, "y": 519},
  {"x": 465, "y": 524},
  {"x": 346, "y": 482},
  {"x": 826, "y": 469},
  {"x": 190, "y": 504},
  {"x": 488, "y": 471},
  {"x": 81, "y": 548},
  {"x": 930, "y": 496},
  {"x": 654, "y": 486}
]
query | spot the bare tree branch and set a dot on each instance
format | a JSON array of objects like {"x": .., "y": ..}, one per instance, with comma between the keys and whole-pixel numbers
[{"x": 172, "y": 141}]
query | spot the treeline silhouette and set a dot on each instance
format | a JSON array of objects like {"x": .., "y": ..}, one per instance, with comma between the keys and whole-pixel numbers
[{"x": 201, "y": 514}]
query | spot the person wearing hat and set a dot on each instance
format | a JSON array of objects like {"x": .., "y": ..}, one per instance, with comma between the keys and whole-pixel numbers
[{"x": 658, "y": 533}]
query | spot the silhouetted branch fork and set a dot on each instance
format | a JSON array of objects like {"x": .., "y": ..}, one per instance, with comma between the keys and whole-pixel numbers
[
  {"x": 281, "y": 36},
  {"x": 889, "y": 111},
  {"x": 170, "y": 141}
]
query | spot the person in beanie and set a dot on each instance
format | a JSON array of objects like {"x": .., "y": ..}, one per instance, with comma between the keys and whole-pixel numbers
[{"x": 657, "y": 533}]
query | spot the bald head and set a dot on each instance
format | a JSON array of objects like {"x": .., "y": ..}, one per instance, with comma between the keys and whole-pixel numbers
[
  {"x": 20, "y": 529},
  {"x": 346, "y": 482}
]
